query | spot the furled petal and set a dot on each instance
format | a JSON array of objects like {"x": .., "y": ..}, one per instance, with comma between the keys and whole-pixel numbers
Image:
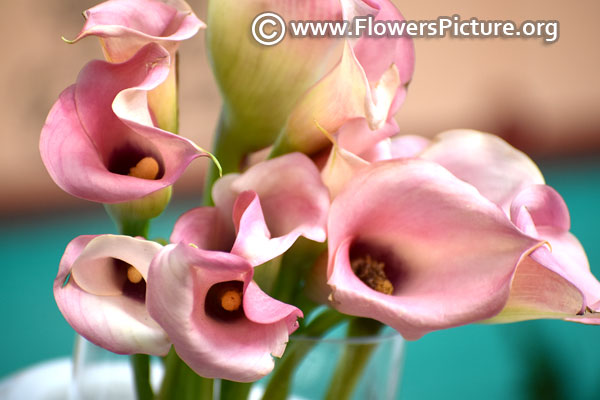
[
  {"x": 376, "y": 72},
  {"x": 449, "y": 253},
  {"x": 355, "y": 135},
  {"x": 254, "y": 241},
  {"x": 340, "y": 169},
  {"x": 551, "y": 285},
  {"x": 376, "y": 54},
  {"x": 541, "y": 206},
  {"x": 537, "y": 292},
  {"x": 88, "y": 150},
  {"x": 495, "y": 168},
  {"x": 262, "y": 309},
  {"x": 89, "y": 293},
  {"x": 293, "y": 201},
  {"x": 323, "y": 79},
  {"x": 542, "y": 213},
  {"x": 343, "y": 164},
  {"x": 342, "y": 95},
  {"x": 125, "y": 26},
  {"x": 205, "y": 228},
  {"x": 261, "y": 84},
  {"x": 240, "y": 349},
  {"x": 568, "y": 260}
]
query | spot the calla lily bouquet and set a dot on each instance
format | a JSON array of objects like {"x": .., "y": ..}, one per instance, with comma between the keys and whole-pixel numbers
[{"x": 341, "y": 220}]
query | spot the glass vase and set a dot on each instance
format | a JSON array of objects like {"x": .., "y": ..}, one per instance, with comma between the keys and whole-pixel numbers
[
  {"x": 340, "y": 368},
  {"x": 332, "y": 367}
]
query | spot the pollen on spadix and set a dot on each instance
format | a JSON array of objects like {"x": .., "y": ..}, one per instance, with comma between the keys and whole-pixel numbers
[
  {"x": 372, "y": 273},
  {"x": 146, "y": 168},
  {"x": 134, "y": 275},
  {"x": 231, "y": 300}
]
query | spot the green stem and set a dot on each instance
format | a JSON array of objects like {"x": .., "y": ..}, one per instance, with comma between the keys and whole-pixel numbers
[
  {"x": 294, "y": 266},
  {"x": 141, "y": 370},
  {"x": 172, "y": 365},
  {"x": 234, "y": 390},
  {"x": 132, "y": 227},
  {"x": 353, "y": 360},
  {"x": 181, "y": 383},
  {"x": 230, "y": 152},
  {"x": 266, "y": 275},
  {"x": 281, "y": 378}
]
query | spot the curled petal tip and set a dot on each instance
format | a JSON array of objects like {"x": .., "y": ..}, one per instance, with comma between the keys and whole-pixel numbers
[{"x": 64, "y": 39}]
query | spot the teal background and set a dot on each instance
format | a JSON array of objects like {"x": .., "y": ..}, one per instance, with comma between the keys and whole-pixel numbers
[{"x": 536, "y": 359}]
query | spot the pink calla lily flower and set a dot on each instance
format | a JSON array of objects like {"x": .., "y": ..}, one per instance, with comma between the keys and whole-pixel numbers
[
  {"x": 342, "y": 96},
  {"x": 220, "y": 322},
  {"x": 272, "y": 204},
  {"x": 419, "y": 250},
  {"x": 260, "y": 213},
  {"x": 248, "y": 237},
  {"x": 359, "y": 82},
  {"x": 98, "y": 142},
  {"x": 555, "y": 280},
  {"x": 100, "y": 290},
  {"x": 125, "y": 26},
  {"x": 378, "y": 70}
]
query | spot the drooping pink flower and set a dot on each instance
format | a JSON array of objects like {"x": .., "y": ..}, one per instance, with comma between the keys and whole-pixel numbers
[
  {"x": 220, "y": 322},
  {"x": 418, "y": 249},
  {"x": 100, "y": 290},
  {"x": 125, "y": 26},
  {"x": 333, "y": 81},
  {"x": 98, "y": 142}
]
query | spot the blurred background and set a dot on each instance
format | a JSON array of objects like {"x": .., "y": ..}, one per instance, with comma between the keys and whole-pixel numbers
[{"x": 542, "y": 98}]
